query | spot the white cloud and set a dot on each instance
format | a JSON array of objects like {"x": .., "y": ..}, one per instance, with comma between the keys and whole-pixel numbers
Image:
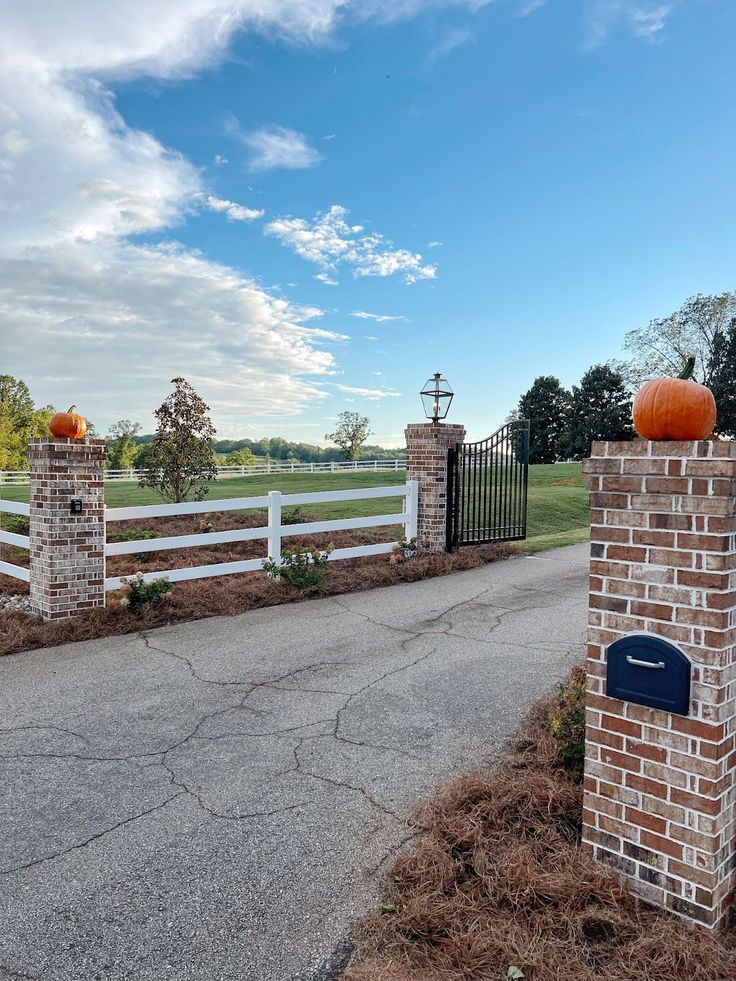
[
  {"x": 644, "y": 19},
  {"x": 373, "y": 394},
  {"x": 153, "y": 313},
  {"x": 278, "y": 148},
  {"x": 325, "y": 278},
  {"x": 435, "y": 244},
  {"x": 329, "y": 242},
  {"x": 233, "y": 211},
  {"x": 378, "y": 317},
  {"x": 329, "y": 136},
  {"x": 453, "y": 38},
  {"x": 219, "y": 160}
]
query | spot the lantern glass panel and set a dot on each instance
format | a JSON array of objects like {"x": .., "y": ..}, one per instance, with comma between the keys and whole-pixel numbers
[{"x": 436, "y": 396}]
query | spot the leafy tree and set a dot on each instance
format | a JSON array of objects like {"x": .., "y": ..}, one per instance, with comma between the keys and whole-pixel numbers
[
  {"x": 241, "y": 458},
  {"x": 546, "y": 406},
  {"x": 179, "y": 462},
  {"x": 121, "y": 444},
  {"x": 351, "y": 433},
  {"x": 723, "y": 381},
  {"x": 600, "y": 408},
  {"x": 20, "y": 420},
  {"x": 697, "y": 328}
]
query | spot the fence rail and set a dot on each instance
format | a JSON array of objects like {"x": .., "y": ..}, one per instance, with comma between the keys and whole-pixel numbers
[
  {"x": 10, "y": 538},
  {"x": 273, "y": 532},
  {"x": 21, "y": 477}
]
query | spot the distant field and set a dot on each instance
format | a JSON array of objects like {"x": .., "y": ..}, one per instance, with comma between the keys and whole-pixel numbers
[{"x": 558, "y": 500}]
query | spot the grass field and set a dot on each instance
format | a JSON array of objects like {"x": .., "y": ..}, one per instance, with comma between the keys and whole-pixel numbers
[{"x": 558, "y": 500}]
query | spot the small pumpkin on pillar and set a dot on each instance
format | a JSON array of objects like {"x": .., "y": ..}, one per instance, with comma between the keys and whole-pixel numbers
[
  {"x": 675, "y": 408},
  {"x": 69, "y": 424}
]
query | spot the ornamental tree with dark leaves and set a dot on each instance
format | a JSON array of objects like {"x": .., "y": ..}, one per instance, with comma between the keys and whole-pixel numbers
[{"x": 180, "y": 462}]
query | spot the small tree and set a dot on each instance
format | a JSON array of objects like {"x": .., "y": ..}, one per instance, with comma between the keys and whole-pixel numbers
[
  {"x": 546, "y": 406},
  {"x": 352, "y": 431},
  {"x": 241, "y": 458},
  {"x": 180, "y": 461},
  {"x": 121, "y": 444},
  {"x": 600, "y": 408}
]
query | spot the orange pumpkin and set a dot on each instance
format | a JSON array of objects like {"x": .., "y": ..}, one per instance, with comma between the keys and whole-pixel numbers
[
  {"x": 675, "y": 408},
  {"x": 68, "y": 423}
]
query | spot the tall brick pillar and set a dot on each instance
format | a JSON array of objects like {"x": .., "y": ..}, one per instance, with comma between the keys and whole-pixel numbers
[
  {"x": 67, "y": 548},
  {"x": 426, "y": 448},
  {"x": 659, "y": 787}
]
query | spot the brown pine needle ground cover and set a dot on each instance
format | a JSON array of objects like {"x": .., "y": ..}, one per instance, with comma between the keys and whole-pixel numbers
[
  {"x": 498, "y": 880},
  {"x": 221, "y": 596}
]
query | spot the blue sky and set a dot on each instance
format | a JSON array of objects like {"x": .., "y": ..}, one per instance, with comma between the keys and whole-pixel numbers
[{"x": 516, "y": 183}]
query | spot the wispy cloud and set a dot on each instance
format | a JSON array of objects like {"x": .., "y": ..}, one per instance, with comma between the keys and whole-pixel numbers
[
  {"x": 378, "y": 317},
  {"x": 373, "y": 394},
  {"x": 329, "y": 242},
  {"x": 644, "y": 20},
  {"x": 233, "y": 211},
  {"x": 434, "y": 244},
  {"x": 451, "y": 39},
  {"x": 278, "y": 148}
]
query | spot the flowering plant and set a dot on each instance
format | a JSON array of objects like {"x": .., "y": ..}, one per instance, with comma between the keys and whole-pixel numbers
[
  {"x": 404, "y": 549},
  {"x": 139, "y": 592},
  {"x": 301, "y": 567}
]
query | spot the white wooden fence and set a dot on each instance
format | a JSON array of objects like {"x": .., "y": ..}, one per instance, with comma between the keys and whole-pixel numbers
[
  {"x": 10, "y": 538},
  {"x": 273, "y": 532},
  {"x": 21, "y": 477}
]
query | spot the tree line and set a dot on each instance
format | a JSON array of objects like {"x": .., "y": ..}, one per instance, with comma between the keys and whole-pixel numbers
[{"x": 564, "y": 423}]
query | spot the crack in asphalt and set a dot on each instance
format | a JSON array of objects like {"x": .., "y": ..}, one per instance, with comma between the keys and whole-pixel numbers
[
  {"x": 160, "y": 757},
  {"x": 94, "y": 837}
]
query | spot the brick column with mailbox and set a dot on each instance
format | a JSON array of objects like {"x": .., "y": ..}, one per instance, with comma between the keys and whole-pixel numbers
[
  {"x": 426, "y": 448},
  {"x": 67, "y": 526},
  {"x": 659, "y": 786}
]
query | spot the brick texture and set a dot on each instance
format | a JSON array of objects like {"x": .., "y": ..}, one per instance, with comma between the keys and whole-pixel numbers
[
  {"x": 659, "y": 788},
  {"x": 67, "y": 553},
  {"x": 426, "y": 447}
]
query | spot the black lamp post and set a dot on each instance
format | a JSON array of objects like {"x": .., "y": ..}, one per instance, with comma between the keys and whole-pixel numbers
[{"x": 437, "y": 394}]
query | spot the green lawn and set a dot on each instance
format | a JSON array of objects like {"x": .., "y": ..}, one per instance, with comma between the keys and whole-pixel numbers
[{"x": 558, "y": 500}]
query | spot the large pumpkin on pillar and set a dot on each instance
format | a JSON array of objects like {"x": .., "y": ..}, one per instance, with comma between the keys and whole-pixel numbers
[
  {"x": 69, "y": 424},
  {"x": 675, "y": 408}
]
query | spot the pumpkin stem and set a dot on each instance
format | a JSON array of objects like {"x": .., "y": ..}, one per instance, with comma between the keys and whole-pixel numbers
[
  {"x": 687, "y": 371},
  {"x": 71, "y": 409}
]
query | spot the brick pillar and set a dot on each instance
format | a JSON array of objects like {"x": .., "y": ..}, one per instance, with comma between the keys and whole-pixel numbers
[
  {"x": 67, "y": 549},
  {"x": 659, "y": 787},
  {"x": 426, "y": 447}
]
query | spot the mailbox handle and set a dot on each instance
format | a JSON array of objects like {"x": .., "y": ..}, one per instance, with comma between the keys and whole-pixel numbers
[{"x": 644, "y": 664}]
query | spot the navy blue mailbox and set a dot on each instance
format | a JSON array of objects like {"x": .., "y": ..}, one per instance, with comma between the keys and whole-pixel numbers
[{"x": 649, "y": 671}]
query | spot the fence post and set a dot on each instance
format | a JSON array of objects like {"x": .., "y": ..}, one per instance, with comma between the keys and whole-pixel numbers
[
  {"x": 67, "y": 526},
  {"x": 274, "y": 526},
  {"x": 411, "y": 503}
]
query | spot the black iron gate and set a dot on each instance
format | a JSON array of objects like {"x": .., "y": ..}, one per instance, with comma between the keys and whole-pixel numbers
[{"x": 487, "y": 488}]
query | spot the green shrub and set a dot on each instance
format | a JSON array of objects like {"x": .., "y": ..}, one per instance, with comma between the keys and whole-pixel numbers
[
  {"x": 303, "y": 568},
  {"x": 567, "y": 721},
  {"x": 18, "y": 524},
  {"x": 141, "y": 593},
  {"x": 136, "y": 535},
  {"x": 293, "y": 515}
]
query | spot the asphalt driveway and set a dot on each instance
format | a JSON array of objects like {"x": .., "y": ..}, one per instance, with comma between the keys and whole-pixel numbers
[{"x": 218, "y": 800}]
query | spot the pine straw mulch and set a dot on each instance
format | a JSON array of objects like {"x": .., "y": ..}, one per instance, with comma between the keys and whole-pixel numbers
[
  {"x": 225, "y": 595},
  {"x": 498, "y": 879}
]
